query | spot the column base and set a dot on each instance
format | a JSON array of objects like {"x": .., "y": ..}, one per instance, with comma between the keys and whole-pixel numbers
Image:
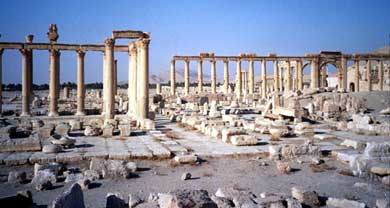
[
  {"x": 52, "y": 114},
  {"x": 80, "y": 113},
  {"x": 25, "y": 114}
]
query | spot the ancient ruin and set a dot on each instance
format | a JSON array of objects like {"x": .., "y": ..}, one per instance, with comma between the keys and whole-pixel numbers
[{"x": 298, "y": 135}]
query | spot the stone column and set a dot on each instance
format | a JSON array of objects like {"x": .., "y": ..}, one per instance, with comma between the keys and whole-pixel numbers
[
  {"x": 158, "y": 89},
  {"x": 109, "y": 74},
  {"x": 323, "y": 76},
  {"x": 251, "y": 77},
  {"x": 245, "y": 79},
  {"x": 80, "y": 84},
  {"x": 281, "y": 78},
  {"x": 264, "y": 78},
  {"x": 226, "y": 76},
  {"x": 29, "y": 39},
  {"x": 200, "y": 75},
  {"x": 288, "y": 77},
  {"x": 276, "y": 76},
  {"x": 380, "y": 74},
  {"x": 213, "y": 77},
  {"x": 357, "y": 73},
  {"x": 54, "y": 84},
  {"x": 132, "y": 83},
  {"x": 173, "y": 78},
  {"x": 238, "y": 79},
  {"x": 115, "y": 80},
  {"x": 299, "y": 75},
  {"x": 104, "y": 83},
  {"x": 143, "y": 77},
  {"x": 314, "y": 74},
  {"x": 25, "y": 83},
  {"x": 344, "y": 73},
  {"x": 186, "y": 77},
  {"x": 369, "y": 81},
  {"x": 1, "y": 81}
]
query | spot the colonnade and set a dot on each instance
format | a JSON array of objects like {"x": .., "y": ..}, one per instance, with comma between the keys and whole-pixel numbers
[
  {"x": 284, "y": 77},
  {"x": 138, "y": 91}
]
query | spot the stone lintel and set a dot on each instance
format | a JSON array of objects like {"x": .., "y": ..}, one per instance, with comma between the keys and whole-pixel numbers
[{"x": 129, "y": 34}]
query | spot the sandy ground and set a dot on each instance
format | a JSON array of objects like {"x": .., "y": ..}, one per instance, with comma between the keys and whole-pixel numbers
[{"x": 243, "y": 173}]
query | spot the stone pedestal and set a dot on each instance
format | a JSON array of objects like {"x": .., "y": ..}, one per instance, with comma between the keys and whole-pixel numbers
[
  {"x": 54, "y": 84},
  {"x": 213, "y": 77},
  {"x": 200, "y": 76},
  {"x": 186, "y": 77},
  {"x": 226, "y": 76},
  {"x": 80, "y": 84},
  {"x": 173, "y": 78}
]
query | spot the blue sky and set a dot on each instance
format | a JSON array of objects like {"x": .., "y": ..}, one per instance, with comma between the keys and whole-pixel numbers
[{"x": 182, "y": 27}]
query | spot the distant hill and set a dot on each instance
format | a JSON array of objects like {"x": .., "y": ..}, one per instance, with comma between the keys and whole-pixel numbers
[
  {"x": 383, "y": 50},
  {"x": 165, "y": 76}
]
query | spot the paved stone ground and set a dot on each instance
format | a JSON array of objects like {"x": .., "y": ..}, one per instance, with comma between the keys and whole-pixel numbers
[{"x": 156, "y": 145}]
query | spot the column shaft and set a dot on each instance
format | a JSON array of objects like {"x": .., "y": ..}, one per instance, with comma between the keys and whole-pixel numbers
[
  {"x": 299, "y": 75},
  {"x": 314, "y": 74},
  {"x": 115, "y": 80},
  {"x": 143, "y": 77},
  {"x": 104, "y": 83},
  {"x": 186, "y": 77},
  {"x": 251, "y": 77},
  {"x": 173, "y": 78},
  {"x": 276, "y": 76},
  {"x": 238, "y": 79},
  {"x": 80, "y": 84},
  {"x": 357, "y": 73},
  {"x": 288, "y": 77},
  {"x": 226, "y": 76},
  {"x": 25, "y": 83},
  {"x": 132, "y": 83},
  {"x": 200, "y": 76},
  {"x": 369, "y": 81},
  {"x": 109, "y": 73},
  {"x": 264, "y": 78},
  {"x": 344, "y": 80},
  {"x": 380, "y": 75},
  {"x": 213, "y": 77},
  {"x": 54, "y": 84}
]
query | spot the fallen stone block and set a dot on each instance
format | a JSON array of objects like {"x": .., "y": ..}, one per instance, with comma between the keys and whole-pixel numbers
[
  {"x": 186, "y": 198},
  {"x": 185, "y": 159},
  {"x": 309, "y": 198},
  {"x": 72, "y": 198},
  {"x": 243, "y": 140},
  {"x": 343, "y": 203}
]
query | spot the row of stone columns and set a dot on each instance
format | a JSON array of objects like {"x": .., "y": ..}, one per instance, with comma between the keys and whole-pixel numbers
[{"x": 278, "y": 77}]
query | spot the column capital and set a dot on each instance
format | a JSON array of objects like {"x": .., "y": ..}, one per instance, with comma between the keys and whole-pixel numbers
[
  {"x": 110, "y": 42},
  {"x": 186, "y": 61},
  {"x": 200, "y": 61},
  {"x": 225, "y": 61},
  {"x": 132, "y": 48},
  {"x": 1, "y": 51},
  {"x": 55, "y": 52},
  {"x": 24, "y": 51},
  {"x": 212, "y": 61},
  {"x": 173, "y": 61},
  {"x": 143, "y": 43},
  {"x": 80, "y": 53}
]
